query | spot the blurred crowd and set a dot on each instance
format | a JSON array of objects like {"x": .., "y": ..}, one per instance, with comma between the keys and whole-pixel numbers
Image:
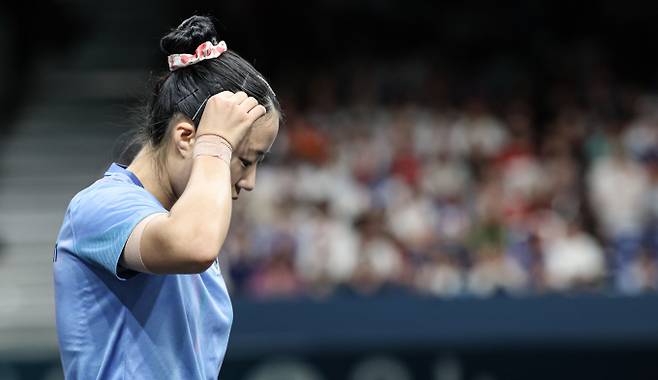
[{"x": 474, "y": 196}]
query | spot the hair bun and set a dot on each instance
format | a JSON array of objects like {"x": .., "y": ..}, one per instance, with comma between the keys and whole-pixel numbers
[{"x": 189, "y": 35}]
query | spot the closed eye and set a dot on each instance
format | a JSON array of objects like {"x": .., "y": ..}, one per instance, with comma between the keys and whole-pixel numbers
[{"x": 245, "y": 163}]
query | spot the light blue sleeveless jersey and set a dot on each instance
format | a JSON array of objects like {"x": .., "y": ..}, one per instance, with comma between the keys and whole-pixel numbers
[{"x": 119, "y": 324}]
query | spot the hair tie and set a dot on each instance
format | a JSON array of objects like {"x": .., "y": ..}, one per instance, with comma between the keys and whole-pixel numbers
[{"x": 205, "y": 51}]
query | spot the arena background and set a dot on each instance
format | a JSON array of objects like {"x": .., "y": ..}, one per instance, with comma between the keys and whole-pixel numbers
[{"x": 461, "y": 190}]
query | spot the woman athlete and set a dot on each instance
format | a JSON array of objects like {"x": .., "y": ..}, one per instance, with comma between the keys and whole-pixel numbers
[{"x": 138, "y": 291}]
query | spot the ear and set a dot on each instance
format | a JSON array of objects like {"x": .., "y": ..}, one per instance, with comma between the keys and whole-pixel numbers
[{"x": 183, "y": 136}]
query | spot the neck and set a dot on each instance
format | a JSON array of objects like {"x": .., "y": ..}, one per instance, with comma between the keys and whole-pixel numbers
[{"x": 144, "y": 167}]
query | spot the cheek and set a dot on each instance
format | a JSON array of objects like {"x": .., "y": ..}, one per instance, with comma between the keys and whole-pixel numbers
[{"x": 236, "y": 171}]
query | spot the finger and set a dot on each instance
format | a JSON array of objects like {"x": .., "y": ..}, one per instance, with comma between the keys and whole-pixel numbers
[
  {"x": 225, "y": 94},
  {"x": 248, "y": 104},
  {"x": 239, "y": 97},
  {"x": 257, "y": 112}
]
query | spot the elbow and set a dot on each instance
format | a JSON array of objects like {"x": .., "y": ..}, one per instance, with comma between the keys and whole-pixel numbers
[
  {"x": 188, "y": 251},
  {"x": 206, "y": 246},
  {"x": 188, "y": 260},
  {"x": 199, "y": 255},
  {"x": 203, "y": 260},
  {"x": 200, "y": 266}
]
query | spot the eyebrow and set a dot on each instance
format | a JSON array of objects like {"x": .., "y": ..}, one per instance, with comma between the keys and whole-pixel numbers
[{"x": 260, "y": 154}]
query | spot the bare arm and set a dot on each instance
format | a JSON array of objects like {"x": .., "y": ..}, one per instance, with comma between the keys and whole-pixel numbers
[{"x": 189, "y": 237}]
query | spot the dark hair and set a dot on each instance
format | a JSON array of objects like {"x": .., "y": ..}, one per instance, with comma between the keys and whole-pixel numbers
[{"x": 183, "y": 91}]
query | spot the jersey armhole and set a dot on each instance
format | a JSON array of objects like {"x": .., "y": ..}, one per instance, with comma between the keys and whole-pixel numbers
[{"x": 131, "y": 255}]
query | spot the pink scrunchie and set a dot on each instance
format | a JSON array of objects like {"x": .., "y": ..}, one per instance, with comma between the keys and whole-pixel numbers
[{"x": 205, "y": 51}]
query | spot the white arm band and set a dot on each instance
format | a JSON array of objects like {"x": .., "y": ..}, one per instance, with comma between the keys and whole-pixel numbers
[{"x": 132, "y": 256}]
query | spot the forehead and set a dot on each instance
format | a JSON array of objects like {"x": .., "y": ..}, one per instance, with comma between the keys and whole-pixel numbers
[{"x": 263, "y": 132}]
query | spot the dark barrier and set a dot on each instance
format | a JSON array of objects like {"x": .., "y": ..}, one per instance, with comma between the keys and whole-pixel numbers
[
  {"x": 415, "y": 338},
  {"x": 402, "y": 337},
  {"x": 303, "y": 325}
]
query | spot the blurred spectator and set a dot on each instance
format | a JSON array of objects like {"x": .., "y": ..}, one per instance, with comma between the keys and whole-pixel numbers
[
  {"x": 441, "y": 275},
  {"x": 573, "y": 260},
  {"x": 619, "y": 188},
  {"x": 495, "y": 272},
  {"x": 328, "y": 249},
  {"x": 463, "y": 197}
]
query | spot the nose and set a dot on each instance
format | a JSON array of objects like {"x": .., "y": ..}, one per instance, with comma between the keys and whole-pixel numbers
[{"x": 249, "y": 182}]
